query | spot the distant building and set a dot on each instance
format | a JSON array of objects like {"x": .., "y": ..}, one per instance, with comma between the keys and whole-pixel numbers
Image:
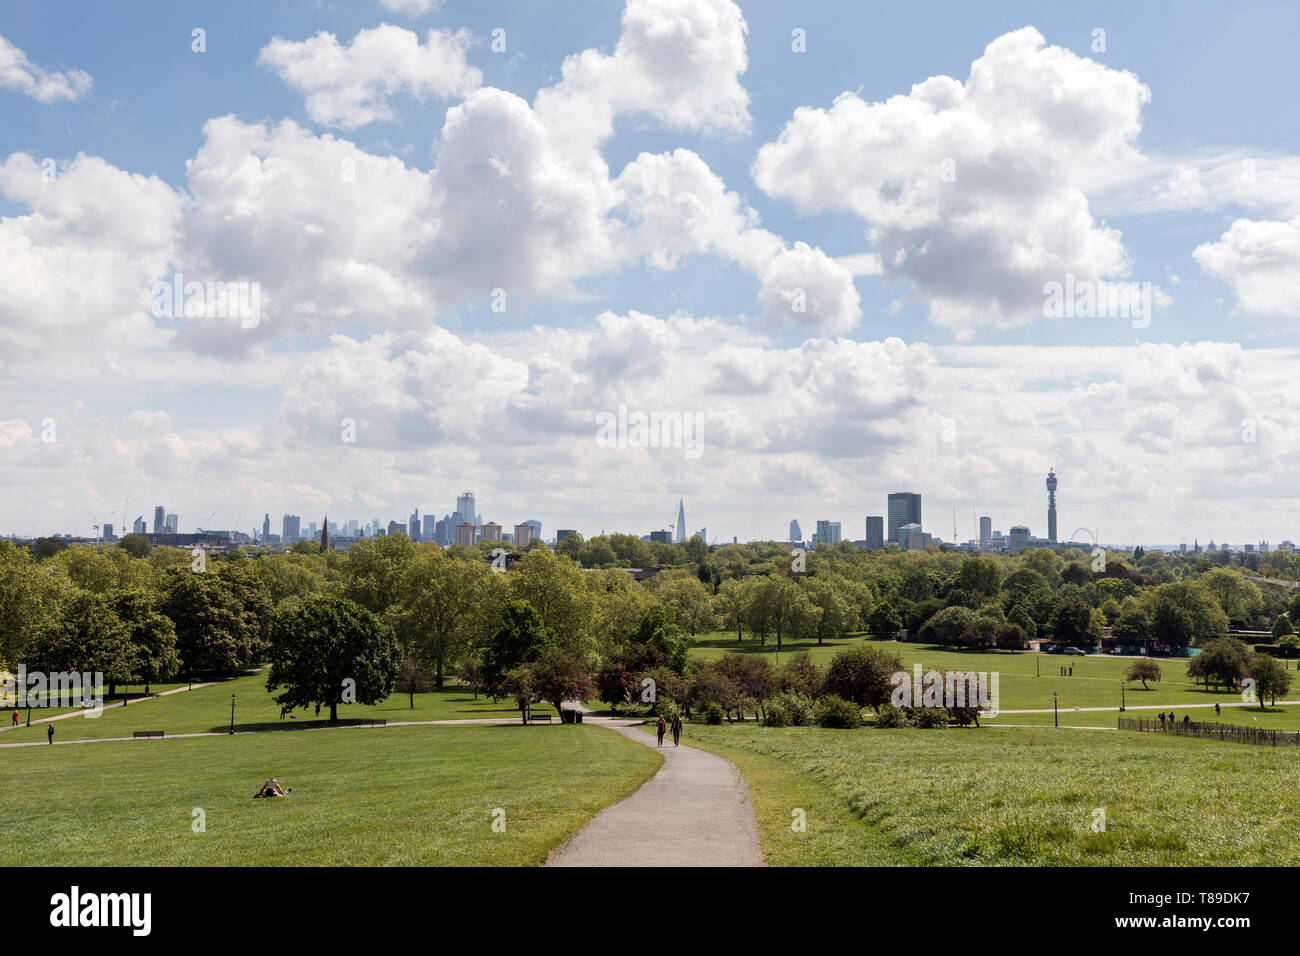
[
  {"x": 465, "y": 533},
  {"x": 535, "y": 525},
  {"x": 681, "y": 521},
  {"x": 795, "y": 533},
  {"x": 491, "y": 532},
  {"x": 1051, "y": 507},
  {"x": 828, "y": 532},
  {"x": 108, "y": 532},
  {"x": 904, "y": 508},
  {"x": 172, "y": 524},
  {"x": 465, "y": 512},
  {"x": 413, "y": 525},
  {"x": 563, "y": 533},
  {"x": 429, "y": 531},
  {"x": 159, "y": 519},
  {"x": 663, "y": 537},
  {"x": 1018, "y": 538},
  {"x": 875, "y": 532},
  {"x": 139, "y": 526},
  {"x": 290, "y": 529},
  {"x": 523, "y": 535},
  {"x": 986, "y": 533},
  {"x": 394, "y": 527}
]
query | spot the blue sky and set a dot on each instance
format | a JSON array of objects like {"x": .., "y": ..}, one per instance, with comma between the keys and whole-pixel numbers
[{"x": 1221, "y": 81}]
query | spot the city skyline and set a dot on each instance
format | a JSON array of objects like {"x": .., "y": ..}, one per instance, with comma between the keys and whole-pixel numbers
[{"x": 1081, "y": 257}]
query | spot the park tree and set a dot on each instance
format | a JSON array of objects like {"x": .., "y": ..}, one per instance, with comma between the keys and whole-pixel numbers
[
  {"x": 800, "y": 675},
  {"x": 569, "y": 546},
  {"x": 1010, "y": 636},
  {"x": 328, "y": 650},
  {"x": 1240, "y": 599},
  {"x": 441, "y": 605},
  {"x": 1072, "y": 623},
  {"x": 1223, "y": 661},
  {"x": 215, "y": 633},
  {"x": 1272, "y": 680},
  {"x": 863, "y": 675},
  {"x": 30, "y": 595},
  {"x": 375, "y": 569},
  {"x": 152, "y": 636},
  {"x": 84, "y": 635},
  {"x": 884, "y": 621},
  {"x": 946, "y": 626},
  {"x": 136, "y": 545},
  {"x": 697, "y": 550},
  {"x": 980, "y": 634},
  {"x": 1019, "y": 616},
  {"x": 980, "y": 575},
  {"x": 519, "y": 638},
  {"x": 1143, "y": 670},
  {"x": 556, "y": 676},
  {"x": 660, "y": 632},
  {"x": 1187, "y": 613},
  {"x": 557, "y": 589},
  {"x": 789, "y": 611},
  {"x": 620, "y": 602},
  {"x": 691, "y": 602},
  {"x": 1282, "y": 627},
  {"x": 413, "y": 678}
]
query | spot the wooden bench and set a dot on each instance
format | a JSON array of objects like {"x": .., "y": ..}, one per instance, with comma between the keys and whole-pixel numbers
[
  {"x": 534, "y": 718},
  {"x": 377, "y": 722},
  {"x": 147, "y": 733}
]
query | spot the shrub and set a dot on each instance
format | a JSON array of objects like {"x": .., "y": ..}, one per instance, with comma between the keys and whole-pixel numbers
[
  {"x": 837, "y": 712},
  {"x": 712, "y": 713},
  {"x": 891, "y": 716},
  {"x": 803, "y": 712},
  {"x": 776, "y": 714},
  {"x": 930, "y": 717}
]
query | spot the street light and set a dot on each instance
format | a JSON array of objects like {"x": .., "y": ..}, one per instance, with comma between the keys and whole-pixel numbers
[
  {"x": 1121, "y": 697},
  {"x": 232, "y": 713},
  {"x": 1056, "y": 722}
]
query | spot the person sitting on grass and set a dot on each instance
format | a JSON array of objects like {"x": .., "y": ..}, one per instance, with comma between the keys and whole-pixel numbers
[{"x": 272, "y": 788}]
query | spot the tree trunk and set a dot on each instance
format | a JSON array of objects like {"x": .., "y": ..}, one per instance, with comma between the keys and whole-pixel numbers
[
  {"x": 412, "y": 693},
  {"x": 437, "y": 680},
  {"x": 334, "y": 712}
]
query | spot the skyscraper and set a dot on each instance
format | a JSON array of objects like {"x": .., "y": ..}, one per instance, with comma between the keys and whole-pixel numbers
[
  {"x": 828, "y": 532},
  {"x": 875, "y": 532},
  {"x": 904, "y": 508},
  {"x": 796, "y": 533},
  {"x": 159, "y": 519},
  {"x": 290, "y": 529},
  {"x": 465, "y": 513},
  {"x": 1051, "y": 507},
  {"x": 681, "y": 521},
  {"x": 138, "y": 526},
  {"x": 986, "y": 532},
  {"x": 413, "y": 525},
  {"x": 429, "y": 530},
  {"x": 266, "y": 525},
  {"x": 523, "y": 535}
]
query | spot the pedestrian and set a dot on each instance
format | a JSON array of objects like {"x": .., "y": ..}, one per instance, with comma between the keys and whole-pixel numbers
[
  {"x": 677, "y": 730},
  {"x": 15, "y": 721},
  {"x": 49, "y": 733},
  {"x": 317, "y": 708},
  {"x": 1162, "y": 720},
  {"x": 1187, "y": 721},
  {"x": 1216, "y": 709},
  {"x": 282, "y": 710},
  {"x": 660, "y": 726}
]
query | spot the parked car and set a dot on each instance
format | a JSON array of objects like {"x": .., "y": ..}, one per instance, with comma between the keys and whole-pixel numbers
[{"x": 1075, "y": 652}]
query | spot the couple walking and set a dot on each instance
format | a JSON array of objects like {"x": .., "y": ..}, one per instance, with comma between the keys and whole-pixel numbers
[{"x": 662, "y": 725}]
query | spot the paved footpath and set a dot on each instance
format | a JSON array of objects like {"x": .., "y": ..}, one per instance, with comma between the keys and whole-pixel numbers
[{"x": 695, "y": 811}]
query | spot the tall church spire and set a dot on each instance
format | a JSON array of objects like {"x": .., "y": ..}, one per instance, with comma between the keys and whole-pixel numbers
[{"x": 325, "y": 534}]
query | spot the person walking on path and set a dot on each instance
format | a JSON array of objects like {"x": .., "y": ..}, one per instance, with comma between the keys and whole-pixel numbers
[
  {"x": 660, "y": 726},
  {"x": 677, "y": 730},
  {"x": 15, "y": 720},
  {"x": 49, "y": 733},
  {"x": 1216, "y": 708}
]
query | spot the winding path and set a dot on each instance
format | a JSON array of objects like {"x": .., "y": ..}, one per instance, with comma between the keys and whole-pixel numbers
[{"x": 695, "y": 811}]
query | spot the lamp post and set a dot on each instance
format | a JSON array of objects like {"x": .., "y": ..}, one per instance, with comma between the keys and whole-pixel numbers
[
  {"x": 1036, "y": 674},
  {"x": 1056, "y": 721},
  {"x": 1121, "y": 696},
  {"x": 232, "y": 713}
]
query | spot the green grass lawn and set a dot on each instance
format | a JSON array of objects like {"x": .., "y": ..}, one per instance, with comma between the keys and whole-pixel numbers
[
  {"x": 1095, "y": 682},
  {"x": 208, "y": 709},
  {"x": 1007, "y": 796},
  {"x": 398, "y": 796},
  {"x": 1272, "y": 718}
]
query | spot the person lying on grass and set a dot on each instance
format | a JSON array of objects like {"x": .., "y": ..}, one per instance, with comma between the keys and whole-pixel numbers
[{"x": 272, "y": 788}]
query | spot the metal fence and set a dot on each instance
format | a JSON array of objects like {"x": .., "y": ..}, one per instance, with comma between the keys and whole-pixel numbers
[{"x": 1232, "y": 732}]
